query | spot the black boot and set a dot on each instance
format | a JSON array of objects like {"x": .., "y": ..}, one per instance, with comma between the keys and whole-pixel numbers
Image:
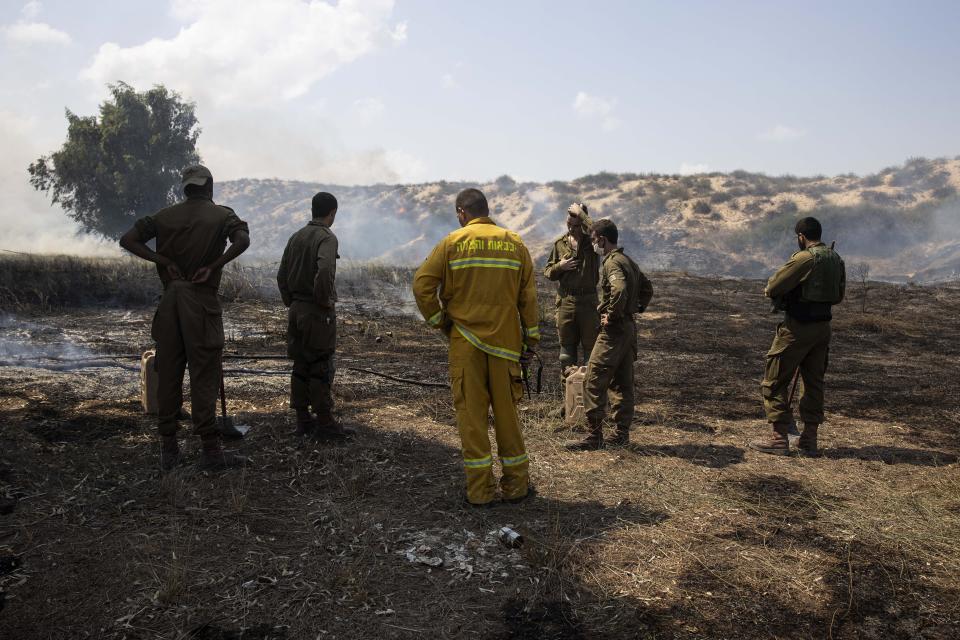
[
  {"x": 214, "y": 458},
  {"x": 622, "y": 437},
  {"x": 593, "y": 441},
  {"x": 807, "y": 445},
  {"x": 306, "y": 425},
  {"x": 169, "y": 452},
  {"x": 329, "y": 428}
]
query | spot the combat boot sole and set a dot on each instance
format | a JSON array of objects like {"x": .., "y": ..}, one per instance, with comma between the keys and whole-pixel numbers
[{"x": 585, "y": 445}]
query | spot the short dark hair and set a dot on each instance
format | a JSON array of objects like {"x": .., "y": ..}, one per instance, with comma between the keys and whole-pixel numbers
[
  {"x": 473, "y": 203},
  {"x": 323, "y": 204},
  {"x": 810, "y": 228},
  {"x": 204, "y": 189},
  {"x": 605, "y": 228}
]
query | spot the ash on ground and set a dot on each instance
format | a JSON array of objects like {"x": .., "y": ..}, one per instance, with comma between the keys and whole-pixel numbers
[{"x": 463, "y": 553}]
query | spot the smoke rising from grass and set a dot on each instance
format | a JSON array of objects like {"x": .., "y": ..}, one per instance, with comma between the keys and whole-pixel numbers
[{"x": 30, "y": 223}]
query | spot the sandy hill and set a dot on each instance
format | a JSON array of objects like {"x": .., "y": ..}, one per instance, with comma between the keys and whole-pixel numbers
[{"x": 904, "y": 222}]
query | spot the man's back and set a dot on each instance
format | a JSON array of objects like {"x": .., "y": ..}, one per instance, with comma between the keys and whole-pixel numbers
[
  {"x": 486, "y": 277},
  {"x": 297, "y": 277},
  {"x": 192, "y": 233}
]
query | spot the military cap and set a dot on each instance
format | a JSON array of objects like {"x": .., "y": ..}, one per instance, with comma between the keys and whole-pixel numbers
[{"x": 196, "y": 174}]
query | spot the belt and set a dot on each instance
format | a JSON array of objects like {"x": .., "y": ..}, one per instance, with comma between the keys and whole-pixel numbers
[{"x": 585, "y": 291}]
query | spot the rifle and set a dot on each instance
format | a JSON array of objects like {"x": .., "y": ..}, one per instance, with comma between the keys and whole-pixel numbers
[{"x": 525, "y": 372}]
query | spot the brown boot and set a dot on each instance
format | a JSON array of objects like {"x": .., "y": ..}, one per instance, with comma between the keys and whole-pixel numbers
[
  {"x": 306, "y": 424},
  {"x": 592, "y": 442},
  {"x": 621, "y": 438},
  {"x": 329, "y": 428},
  {"x": 169, "y": 452},
  {"x": 807, "y": 445},
  {"x": 214, "y": 458},
  {"x": 777, "y": 444}
]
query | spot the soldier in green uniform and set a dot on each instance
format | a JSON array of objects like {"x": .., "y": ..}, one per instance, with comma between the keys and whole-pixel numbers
[
  {"x": 306, "y": 279},
  {"x": 573, "y": 265},
  {"x": 188, "y": 326},
  {"x": 624, "y": 291},
  {"x": 805, "y": 289}
]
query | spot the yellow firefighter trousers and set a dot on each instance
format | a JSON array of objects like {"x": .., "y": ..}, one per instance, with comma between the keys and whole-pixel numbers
[
  {"x": 479, "y": 380},
  {"x": 188, "y": 329}
]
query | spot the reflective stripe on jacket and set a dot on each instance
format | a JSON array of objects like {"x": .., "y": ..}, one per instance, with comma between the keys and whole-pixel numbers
[{"x": 479, "y": 280}]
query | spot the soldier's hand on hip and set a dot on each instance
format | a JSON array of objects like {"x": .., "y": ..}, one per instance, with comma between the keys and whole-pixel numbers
[
  {"x": 201, "y": 275},
  {"x": 173, "y": 271}
]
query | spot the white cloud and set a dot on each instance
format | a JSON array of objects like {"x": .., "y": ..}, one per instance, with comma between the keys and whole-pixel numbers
[
  {"x": 251, "y": 53},
  {"x": 447, "y": 81},
  {"x": 368, "y": 109},
  {"x": 781, "y": 133},
  {"x": 30, "y": 33},
  {"x": 30, "y": 10},
  {"x": 688, "y": 168},
  {"x": 30, "y": 224},
  {"x": 596, "y": 108}
]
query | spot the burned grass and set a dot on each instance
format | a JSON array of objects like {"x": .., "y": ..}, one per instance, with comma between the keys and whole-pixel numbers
[{"x": 684, "y": 534}]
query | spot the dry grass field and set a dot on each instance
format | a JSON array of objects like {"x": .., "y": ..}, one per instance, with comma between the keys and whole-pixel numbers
[{"x": 684, "y": 534}]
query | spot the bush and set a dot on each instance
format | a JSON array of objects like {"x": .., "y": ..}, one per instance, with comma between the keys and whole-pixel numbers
[
  {"x": 874, "y": 180},
  {"x": 701, "y": 207},
  {"x": 944, "y": 192},
  {"x": 787, "y": 207},
  {"x": 677, "y": 192},
  {"x": 601, "y": 180},
  {"x": 718, "y": 197}
]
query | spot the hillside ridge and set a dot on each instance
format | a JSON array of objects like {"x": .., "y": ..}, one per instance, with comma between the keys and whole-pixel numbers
[{"x": 904, "y": 221}]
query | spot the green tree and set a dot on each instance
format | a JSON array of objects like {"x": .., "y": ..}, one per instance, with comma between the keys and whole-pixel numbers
[{"x": 126, "y": 164}]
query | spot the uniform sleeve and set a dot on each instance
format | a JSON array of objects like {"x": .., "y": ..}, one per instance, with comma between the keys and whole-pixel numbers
[
  {"x": 617, "y": 306},
  {"x": 426, "y": 285},
  {"x": 527, "y": 303},
  {"x": 282, "y": 277},
  {"x": 146, "y": 228},
  {"x": 323, "y": 282},
  {"x": 234, "y": 224},
  {"x": 789, "y": 275},
  {"x": 550, "y": 271}
]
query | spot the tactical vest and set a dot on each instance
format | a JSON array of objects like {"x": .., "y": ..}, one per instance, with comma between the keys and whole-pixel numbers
[{"x": 823, "y": 283}]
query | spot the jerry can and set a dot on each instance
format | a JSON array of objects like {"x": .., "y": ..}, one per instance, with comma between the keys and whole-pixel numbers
[
  {"x": 149, "y": 382},
  {"x": 573, "y": 397}
]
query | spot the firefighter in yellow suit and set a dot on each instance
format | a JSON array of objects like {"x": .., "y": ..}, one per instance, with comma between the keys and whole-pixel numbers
[{"x": 478, "y": 287}]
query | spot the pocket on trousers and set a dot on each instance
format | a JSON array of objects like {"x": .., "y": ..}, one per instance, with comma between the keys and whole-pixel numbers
[
  {"x": 456, "y": 387},
  {"x": 213, "y": 327},
  {"x": 322, "y": 334},
  {"x": 516, "y": 382}
]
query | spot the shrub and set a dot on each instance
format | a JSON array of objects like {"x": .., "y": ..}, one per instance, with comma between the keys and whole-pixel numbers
[
  {"x": 701, "y": 207},
  {"x": 944, "y": 192},
  {"x": 718, "y": 197},
  {"x": 677, "y": 192}
]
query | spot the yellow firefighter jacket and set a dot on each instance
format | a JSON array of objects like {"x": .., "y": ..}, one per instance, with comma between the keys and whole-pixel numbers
[{"x": 479, "y": 280}]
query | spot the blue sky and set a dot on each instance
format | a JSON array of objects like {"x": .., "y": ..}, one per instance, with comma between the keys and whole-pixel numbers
[{"x": 376, "y": 91}]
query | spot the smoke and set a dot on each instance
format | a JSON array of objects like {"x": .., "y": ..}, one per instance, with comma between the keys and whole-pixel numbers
[
  {"x": 21, "y": 339},
  {"x": 30, "y": 223}
]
